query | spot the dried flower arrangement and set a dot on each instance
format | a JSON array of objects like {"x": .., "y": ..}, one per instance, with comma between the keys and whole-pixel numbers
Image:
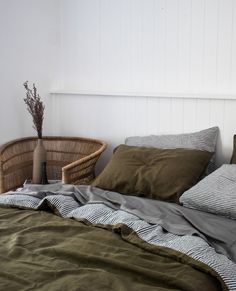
[{"x": 35, "y": 107}]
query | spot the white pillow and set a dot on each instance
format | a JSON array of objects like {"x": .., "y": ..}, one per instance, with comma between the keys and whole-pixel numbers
[{"x": 216, "y": 193}]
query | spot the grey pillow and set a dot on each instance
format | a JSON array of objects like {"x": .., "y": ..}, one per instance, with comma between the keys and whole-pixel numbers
[
  {"x": 216, "y": 193},
  {"x": 204, "y": 140}
]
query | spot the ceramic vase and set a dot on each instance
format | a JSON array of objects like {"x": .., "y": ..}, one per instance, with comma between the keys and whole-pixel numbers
[{"x": 39, "y": 158}]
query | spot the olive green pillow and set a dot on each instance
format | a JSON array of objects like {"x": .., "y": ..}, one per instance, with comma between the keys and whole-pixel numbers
[{"x": 162, "y": 174}]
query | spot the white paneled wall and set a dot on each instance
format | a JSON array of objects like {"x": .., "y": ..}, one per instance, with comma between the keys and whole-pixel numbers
[
  {"x": 114, "y": 118},
  {"x": 171, "y": 48},
  {"x": 149, "y": 46}
]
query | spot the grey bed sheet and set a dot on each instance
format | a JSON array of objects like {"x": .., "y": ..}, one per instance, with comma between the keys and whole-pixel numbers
[{"x": 218, "y": 231}]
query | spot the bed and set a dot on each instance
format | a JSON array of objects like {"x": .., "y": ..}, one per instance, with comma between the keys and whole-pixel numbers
[{"x": 119, "y": 233}]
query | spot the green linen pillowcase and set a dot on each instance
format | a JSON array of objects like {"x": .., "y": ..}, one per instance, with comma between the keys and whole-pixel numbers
[{"x": 162, "y": 174}]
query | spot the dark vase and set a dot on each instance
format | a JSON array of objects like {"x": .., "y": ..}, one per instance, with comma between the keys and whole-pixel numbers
[
  {"x": 39, "y": 157},
  {"x": 44, "y": 174}
]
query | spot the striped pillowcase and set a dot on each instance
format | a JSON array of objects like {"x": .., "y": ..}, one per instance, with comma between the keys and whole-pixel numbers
[
  {"x": 216, "y": 193},
  {"x": 204, "y": 140}
]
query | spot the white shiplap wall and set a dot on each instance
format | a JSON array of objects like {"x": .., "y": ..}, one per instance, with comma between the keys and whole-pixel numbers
[
  {"x": 114, "y": 118},
  {"x": 119, "y": 47},
  {"x": 149, "y": 46}
]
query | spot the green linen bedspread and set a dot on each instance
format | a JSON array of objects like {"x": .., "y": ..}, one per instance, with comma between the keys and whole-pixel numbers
[{"x": 42, "y": 251}]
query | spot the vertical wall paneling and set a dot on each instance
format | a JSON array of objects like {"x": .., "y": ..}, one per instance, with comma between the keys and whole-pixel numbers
[
  {"x": 196, "y": 44},
  {"x": 153, "y": 115},
  {"x": 55, "y": 114},
  {"x": 211, "y": 43},
  {"x": 125, "y": 45},
  {"x": 114, "y": 118},
  {"x": 233, "y": 49},
  {"x": 129, "y": 106},
  {"x": 140, "y": 113},
  {"x": 160, "y": 43},
  {"x": 165, "y": 115},
  {"x": 190, "y": 114},
  {"x": 80, "y": 42},
  {"x": 110, "y": 33},
  {"x": 149, "y": 46},
  {"x": 202, "y": 113},
  {"x": 224, "y": 55},
  {"x": 137, "y": 48},
  {"x": 177, "y": 111},
  {"x": 217, "y": 118},
  {"x": 172, "y": 21},
  {"x": 184, "y": 25},
  {"x": 147, "y": 43}
]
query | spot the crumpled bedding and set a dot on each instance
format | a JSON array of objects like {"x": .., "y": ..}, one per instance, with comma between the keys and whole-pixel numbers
[{"x": 158, "y": 223}]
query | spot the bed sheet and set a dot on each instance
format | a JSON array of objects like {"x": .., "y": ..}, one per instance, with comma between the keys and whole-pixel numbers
[{"x": 160, "y": 260}]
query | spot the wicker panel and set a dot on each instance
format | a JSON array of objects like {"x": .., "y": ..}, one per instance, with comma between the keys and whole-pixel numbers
[{"x": 71, "y": 159}]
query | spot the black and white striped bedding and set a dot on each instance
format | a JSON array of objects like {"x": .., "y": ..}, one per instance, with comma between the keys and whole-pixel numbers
[
  {"x": 216, "y": 193},
  {"x": 68, "y": 206}
]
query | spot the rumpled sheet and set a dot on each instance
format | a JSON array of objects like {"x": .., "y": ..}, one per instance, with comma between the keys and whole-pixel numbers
[
  {"x": 159, "y": 223},
  {"x": 219, "y": 231}
]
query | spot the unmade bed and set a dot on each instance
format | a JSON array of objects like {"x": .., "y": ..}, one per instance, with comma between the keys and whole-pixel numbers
[
  {"x": 156, "y": 218},
  {"x": 62, "y": 237}
]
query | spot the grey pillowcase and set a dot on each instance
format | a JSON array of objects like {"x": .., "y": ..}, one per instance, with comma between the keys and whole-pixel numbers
[
  {"x": 204, "y": 140},
  {"x": 216, "y": 193}
]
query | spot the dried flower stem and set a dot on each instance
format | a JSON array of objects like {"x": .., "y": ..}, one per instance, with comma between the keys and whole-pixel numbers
[{"x": 35, "y": 107}]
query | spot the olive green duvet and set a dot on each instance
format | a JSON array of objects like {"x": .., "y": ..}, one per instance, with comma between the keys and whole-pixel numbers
[{"x": 41, "y": 251}]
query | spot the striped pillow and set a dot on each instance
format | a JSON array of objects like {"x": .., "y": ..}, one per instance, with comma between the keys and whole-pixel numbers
[
  {"x": 204, "y": 140},
  {"x": 215, "y": 194}
]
